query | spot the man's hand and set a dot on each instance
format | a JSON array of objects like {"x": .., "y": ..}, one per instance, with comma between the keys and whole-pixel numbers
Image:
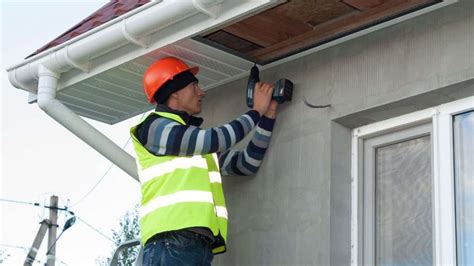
[{"x": 262, "y": 97}]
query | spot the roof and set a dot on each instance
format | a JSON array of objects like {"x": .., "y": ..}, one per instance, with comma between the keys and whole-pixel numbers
[
  {"x": 301, "y": 24},
  {"x": 101, "y": 74},
  {"x": 111, "y": 10}
]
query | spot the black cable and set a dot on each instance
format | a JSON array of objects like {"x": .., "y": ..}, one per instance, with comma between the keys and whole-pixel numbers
[{"x": 313, "y": 105}]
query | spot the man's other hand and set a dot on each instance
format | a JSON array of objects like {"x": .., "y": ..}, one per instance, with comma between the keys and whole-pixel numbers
[{"x": 262, "y": 97}]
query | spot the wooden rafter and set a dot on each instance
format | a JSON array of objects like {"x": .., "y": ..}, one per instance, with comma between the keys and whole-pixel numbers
[
  {"x": 364, "y": 4},
  {"x": 268, "y": 28},
  {"x": 337, "y": 27}
]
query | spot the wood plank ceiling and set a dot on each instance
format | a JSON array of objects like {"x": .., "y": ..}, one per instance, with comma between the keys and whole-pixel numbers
[{"x": 297, "y": 25}]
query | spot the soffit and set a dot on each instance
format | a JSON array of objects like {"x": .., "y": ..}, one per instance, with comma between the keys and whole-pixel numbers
[
  {"x": 117, "y": 94},
  {"x": 298, "y": 25}
]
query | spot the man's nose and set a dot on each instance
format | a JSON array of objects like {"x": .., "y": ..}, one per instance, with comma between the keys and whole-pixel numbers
[{"x": 201, "y": 92}]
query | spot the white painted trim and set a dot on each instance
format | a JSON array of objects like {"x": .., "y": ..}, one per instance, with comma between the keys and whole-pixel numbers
[
  {"x": 443, "y": 175},
  {"x": 394, "y": 124},
  {"x": 354, "y": 201},
  {"x": 444, "y": 198}
]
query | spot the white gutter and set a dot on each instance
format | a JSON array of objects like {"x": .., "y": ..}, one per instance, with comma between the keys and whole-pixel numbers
[
  {"x": 132, "y": 28},
  {"x": 47, "y": 87},
  {"x": 46, "y": 68}
]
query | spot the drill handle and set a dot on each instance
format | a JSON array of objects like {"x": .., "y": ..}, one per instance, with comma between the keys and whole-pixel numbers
[{"x": 253, "y": 79}]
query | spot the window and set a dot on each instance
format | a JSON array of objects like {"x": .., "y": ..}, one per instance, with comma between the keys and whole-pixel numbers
[
  {"x": 463, "y": 132},
  {"x": 413, "y": 188}
]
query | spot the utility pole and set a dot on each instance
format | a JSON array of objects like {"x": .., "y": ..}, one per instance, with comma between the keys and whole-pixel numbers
[
  {"x": 53, "y": 227},
  {"x": 50, "y": 225},
  {"x": 30, "y": 258}
]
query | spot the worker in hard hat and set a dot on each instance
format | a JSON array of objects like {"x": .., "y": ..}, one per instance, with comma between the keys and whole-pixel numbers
[{"x": 183, "y": 216}]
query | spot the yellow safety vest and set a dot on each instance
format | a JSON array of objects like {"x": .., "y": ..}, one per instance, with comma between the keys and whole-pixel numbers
[{"x": 180, "y": 192}]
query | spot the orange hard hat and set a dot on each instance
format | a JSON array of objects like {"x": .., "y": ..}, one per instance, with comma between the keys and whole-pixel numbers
[{"x": 163, "y": 70}]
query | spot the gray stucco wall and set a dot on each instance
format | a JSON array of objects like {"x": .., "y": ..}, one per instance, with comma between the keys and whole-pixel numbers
[{"x": 296, "y": 211}]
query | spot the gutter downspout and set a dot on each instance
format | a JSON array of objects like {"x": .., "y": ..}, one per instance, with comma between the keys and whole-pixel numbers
[
  {"x": 47, "y": 86},
  {"x": 48, "y": 74}
]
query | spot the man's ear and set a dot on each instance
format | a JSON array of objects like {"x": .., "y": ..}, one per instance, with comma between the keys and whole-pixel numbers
[{"x": 174, "y": 95}]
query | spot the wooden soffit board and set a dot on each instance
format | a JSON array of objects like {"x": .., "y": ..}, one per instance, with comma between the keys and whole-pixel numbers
[{"x": 297, "y": 25}]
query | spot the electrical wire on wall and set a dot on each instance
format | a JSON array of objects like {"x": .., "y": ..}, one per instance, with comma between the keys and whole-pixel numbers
[{"x": 310, "y": 105}]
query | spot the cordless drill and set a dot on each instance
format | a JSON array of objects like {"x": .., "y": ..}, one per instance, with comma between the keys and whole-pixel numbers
[{"x": 282, "y": 91}]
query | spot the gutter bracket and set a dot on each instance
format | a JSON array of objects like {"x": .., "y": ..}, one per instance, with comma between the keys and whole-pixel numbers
[
  {"x": 83, "y": 68},
  {"x": 32, "y": 98},
  {"x": 209, "y": 7},
  {"x": 132, "y": 39}
]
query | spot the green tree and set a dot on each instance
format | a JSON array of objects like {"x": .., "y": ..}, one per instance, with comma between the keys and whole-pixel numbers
[{"x": 129, "y": 228}]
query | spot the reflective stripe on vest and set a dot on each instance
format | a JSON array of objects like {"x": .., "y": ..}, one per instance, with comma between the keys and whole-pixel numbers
[{"x": 180, "y": 192}]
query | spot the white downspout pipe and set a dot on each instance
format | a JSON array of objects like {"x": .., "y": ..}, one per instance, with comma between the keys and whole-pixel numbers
[{"x": 47, "y": 86}]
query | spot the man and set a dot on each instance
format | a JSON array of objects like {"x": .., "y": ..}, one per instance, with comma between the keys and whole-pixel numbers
[{"x": 183, "y": 217}]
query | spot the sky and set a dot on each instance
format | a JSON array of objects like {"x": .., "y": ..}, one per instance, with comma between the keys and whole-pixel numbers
[{"x": 40, "y": 158}]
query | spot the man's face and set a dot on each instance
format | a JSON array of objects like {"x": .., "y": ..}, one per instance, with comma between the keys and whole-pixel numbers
[{"x": 189, "y": 98}]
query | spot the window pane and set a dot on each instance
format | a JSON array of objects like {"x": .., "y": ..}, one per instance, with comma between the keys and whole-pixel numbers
[
  {"x": 464, "y": 176},
  {"x": 403, "y": 191}
]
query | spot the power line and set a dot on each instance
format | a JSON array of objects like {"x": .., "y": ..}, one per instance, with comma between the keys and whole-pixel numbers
[
  {"x": 26, "y": 249},
  {"x": 19, "y": 247},
  {"x": 13, "y": 246},
  {"x": 61, "y": 209},
  {"x": 95, "y": 229},
  {"x": 93, "y": 187},
  {"x": 105, "y": 174},
  {"x": 21, "y": 202},
  {"x": 38, "y": 204}
]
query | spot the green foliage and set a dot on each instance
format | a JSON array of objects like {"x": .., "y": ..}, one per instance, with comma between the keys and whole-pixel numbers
[{"x": 129, "y": 228}]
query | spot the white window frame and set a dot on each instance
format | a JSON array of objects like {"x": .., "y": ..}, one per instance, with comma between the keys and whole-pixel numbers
[{"x": 444, "y": 223}]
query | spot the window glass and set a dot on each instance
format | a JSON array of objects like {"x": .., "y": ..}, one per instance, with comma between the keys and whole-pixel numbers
[
  {"x": 403, "y": 203},
  {"x": 463, "y": 126}
]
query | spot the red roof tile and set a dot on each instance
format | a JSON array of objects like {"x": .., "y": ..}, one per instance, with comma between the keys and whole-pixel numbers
[{"x": 111, "y": 10}]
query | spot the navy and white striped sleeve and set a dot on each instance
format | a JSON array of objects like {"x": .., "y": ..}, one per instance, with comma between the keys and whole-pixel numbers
[
  {"x": 248, "y": 161},
  {"x": 168, "y": 137}
]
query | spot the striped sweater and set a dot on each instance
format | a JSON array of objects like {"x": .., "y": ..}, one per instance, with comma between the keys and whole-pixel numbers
[{"x": 162, "y": 136}]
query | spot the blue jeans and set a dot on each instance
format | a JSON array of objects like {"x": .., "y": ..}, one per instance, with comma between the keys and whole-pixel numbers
[{"x": 178, "y": 248}]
